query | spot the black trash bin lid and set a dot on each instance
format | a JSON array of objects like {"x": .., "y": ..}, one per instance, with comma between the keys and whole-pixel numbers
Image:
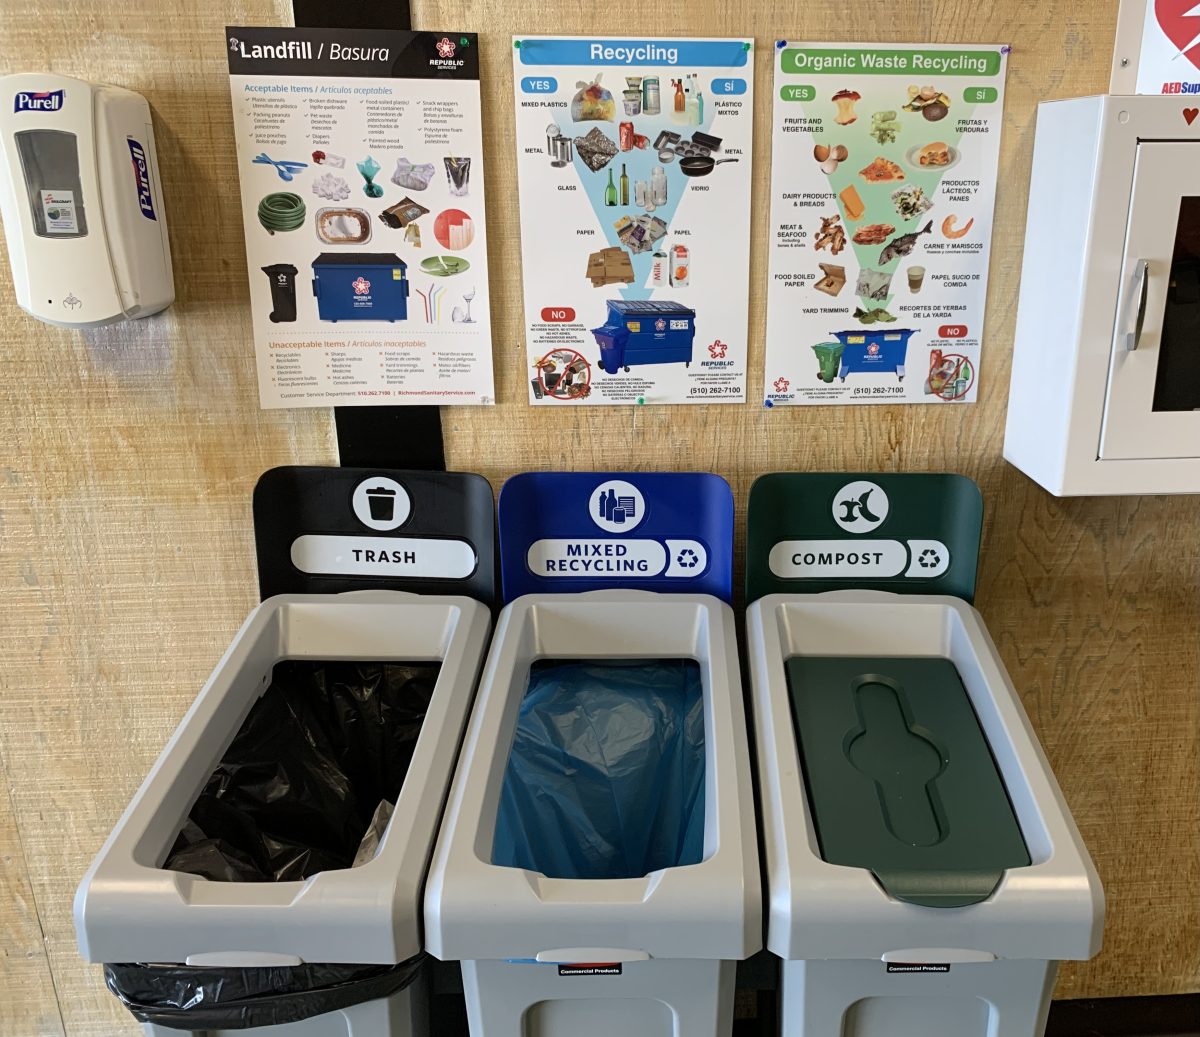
[{"x": 900, "y": 777}]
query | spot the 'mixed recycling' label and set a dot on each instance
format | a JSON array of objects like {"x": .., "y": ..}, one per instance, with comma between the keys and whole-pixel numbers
[{"x": 600, "y": 558}]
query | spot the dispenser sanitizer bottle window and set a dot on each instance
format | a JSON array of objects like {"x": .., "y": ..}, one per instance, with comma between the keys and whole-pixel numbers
[{"x": 81, "y": 199}]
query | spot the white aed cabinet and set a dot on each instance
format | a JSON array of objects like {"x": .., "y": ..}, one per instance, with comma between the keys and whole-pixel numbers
[{"x": 1105, "y": 392}]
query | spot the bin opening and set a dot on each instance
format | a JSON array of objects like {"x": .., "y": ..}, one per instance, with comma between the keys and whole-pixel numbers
[
  {"x": 605, "y": 778},
  {"x": 900, "y": 777},
  {"x": 297, "y": 789}
]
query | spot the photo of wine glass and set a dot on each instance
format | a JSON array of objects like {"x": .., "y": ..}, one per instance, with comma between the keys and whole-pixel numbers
[{"x": 461, "y": 316}]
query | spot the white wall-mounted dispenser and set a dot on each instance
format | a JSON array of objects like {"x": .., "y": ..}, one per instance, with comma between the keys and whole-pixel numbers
[
  {"x": 1105, "y": 393},
  {"x": 82, "y": 203}
]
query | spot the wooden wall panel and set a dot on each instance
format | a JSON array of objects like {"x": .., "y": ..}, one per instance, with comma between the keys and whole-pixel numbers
[{"x": 126, "y": 553}]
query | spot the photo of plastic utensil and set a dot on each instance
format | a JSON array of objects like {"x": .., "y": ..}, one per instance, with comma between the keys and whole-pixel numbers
[{"x": 285, "y": 168}]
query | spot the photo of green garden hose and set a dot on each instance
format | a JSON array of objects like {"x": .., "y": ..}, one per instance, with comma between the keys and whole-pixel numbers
[{"x": 282, "y": 210}]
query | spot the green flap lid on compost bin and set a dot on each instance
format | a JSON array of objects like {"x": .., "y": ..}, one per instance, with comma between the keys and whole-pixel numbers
[
  {"x": 900, "y": 777},
  {"x": 823, "y": 531}
]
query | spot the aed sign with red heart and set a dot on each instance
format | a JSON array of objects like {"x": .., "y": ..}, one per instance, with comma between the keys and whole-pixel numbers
[
  {"x": 1168, "y": 60},
  {"x": 1180, "y": 22}
]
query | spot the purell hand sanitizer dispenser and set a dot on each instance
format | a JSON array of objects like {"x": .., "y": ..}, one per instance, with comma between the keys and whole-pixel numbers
[{"x": 81, "y": 199}]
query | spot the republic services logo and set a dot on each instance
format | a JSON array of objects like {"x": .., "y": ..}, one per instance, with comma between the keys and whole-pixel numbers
[
  {"x": 445, "y": 47},
  {"x": 361, "y": 285}
]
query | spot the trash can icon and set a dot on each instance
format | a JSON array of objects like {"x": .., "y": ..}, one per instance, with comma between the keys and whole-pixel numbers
[
  {"x": 383, "y": 503},
  {"x": 283, "y": 292}
]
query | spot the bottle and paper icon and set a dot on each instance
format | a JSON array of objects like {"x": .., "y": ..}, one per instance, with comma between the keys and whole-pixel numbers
[{"x": 614, "y": 509}]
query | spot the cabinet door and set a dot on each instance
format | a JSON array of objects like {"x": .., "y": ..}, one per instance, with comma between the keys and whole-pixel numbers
[{"x": 1153, "y": 405}]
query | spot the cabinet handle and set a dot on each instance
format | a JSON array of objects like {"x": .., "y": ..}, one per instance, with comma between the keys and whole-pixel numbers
[{"x": 1141, "y": 288}]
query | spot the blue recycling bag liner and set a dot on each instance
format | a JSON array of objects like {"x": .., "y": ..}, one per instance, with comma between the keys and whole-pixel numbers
[
  {"x": 571, "y": 532},
  {"x": 605, "y": 778}
]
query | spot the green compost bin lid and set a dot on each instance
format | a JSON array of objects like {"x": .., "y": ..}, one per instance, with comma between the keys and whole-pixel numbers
[{"x": 900, "y": 777}]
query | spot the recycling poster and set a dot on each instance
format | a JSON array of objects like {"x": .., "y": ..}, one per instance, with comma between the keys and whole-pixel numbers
[
  {"x": 360, "y": 156},
  {"x": 884, "y": 167},
  {"x": 634, "y": 172}
]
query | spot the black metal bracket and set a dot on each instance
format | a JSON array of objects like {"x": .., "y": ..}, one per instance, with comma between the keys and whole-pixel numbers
[{"x": 378, "y": 437}]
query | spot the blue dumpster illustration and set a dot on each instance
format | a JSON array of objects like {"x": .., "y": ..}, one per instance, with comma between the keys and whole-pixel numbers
[
  {"x": 360, "y": 286},
  {"x": 643, "y": 331},
  {"x": 873, "y": 351}
]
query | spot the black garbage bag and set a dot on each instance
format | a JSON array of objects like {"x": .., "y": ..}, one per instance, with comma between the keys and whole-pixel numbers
[
  {"x": 296, "y": 790},
  {"x": 183, "y": 997}
]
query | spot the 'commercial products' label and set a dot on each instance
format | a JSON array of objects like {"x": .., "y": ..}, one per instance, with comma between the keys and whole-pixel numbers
[
  {"x": 605, "y": 969},
  {"x": 916, "y": 969}
]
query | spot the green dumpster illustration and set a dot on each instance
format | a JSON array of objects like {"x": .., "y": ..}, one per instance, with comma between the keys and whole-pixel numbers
[{"x": 829, "y": 357}]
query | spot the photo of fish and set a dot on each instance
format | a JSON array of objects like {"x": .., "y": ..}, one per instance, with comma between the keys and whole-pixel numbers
[{"x": 903, "y": 245}]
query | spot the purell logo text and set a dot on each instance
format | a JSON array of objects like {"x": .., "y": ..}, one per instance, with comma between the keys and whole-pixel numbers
[
  {"x": 141, "y": 179},
  {"x": 38, "y": 101}
]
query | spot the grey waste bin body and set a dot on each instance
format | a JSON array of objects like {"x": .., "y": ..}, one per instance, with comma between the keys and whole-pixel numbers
[
  {"x": 403, "y": 1014},
  {"x": 865, "y": 955},
  {"x": 128, "y": 909},
  {"x": 665, "y": 944}
]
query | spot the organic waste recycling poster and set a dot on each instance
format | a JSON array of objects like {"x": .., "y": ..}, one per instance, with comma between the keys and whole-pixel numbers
[
  {"x": 633, "y": 164},
  {"x": 883, "y": 183},
  {"x": 360, "y": 155}
]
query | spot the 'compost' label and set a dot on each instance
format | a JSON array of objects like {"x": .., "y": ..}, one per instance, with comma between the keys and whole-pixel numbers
[{"x": 858, "y": 559}]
